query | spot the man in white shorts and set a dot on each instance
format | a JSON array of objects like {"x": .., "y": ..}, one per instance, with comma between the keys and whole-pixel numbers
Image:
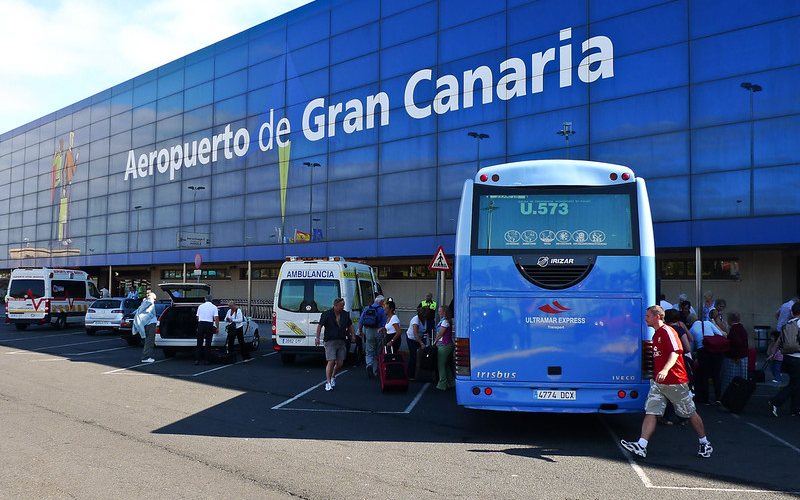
[{"x": 670, "y": 383}]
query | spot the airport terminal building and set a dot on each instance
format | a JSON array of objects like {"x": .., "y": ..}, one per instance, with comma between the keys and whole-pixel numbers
[{"x": 347, "y": 127}]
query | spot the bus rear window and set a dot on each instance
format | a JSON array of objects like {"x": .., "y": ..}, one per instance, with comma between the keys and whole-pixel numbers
[
  {"x": 554, "y": 220},
  {"x": 22, "y": 289}
]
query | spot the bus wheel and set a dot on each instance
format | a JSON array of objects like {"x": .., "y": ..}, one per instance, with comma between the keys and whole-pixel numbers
[
  {"x": 287, "y": 359},
  {"x": 21, "y": 326},
  {"x": 61, "y": 322}
]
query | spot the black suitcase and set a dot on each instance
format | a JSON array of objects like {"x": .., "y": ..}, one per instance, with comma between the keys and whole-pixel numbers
[
  {"x": 738, "y": 394},
  {"x": 220, "y": 357},
  {"x": 426, "y": 364}
]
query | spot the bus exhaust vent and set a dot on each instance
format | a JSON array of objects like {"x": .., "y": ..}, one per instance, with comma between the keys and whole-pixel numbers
[{"x": 554, "y": 272}]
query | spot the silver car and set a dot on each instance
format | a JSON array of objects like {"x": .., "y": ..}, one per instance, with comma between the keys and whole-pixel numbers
[
  {"x": 177, "y": 326},
  {"x": 107, "y": 314}
]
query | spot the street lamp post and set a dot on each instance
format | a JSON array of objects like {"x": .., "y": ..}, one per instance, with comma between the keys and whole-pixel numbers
[
  {"x": 478, "y": 138},
  {"x": 312, "y": 165},
  {"x": 566, "y": 131},
  {"x": 194, "y": 190},
  {"x": 751, "y": 89},
  {"x": 137, "y": 208}
]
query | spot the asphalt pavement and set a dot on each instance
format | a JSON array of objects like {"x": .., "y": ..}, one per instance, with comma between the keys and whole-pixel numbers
[{"x": 82, "y": 417}]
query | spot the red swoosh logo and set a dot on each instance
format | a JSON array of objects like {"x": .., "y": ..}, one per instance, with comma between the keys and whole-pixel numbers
[{"x": 547, "y": 308}]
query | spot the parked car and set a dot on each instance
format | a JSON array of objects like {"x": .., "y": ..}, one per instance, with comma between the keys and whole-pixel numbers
[
  {"x": 107, "y": 314},
  {"x": 177, "y": 325},
  {"x": 126, "y": 325}
]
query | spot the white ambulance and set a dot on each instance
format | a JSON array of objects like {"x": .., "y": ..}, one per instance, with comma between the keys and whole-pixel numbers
[
  {"x": 306, "y": 287},
  {"x": 42, "y": 295}
]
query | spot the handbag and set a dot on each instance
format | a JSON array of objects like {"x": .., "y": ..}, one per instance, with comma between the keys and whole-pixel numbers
[{"x": 714, "y": 343}]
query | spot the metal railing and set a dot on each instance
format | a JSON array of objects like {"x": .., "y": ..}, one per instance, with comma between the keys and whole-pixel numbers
[{"x": 260, "y": 310}]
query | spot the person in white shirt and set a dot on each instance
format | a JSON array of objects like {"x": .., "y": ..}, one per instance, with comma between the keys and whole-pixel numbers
[
  {"x": 145, "y": 323},
  {"x": 662, "y": 301},
  {"x": 235, "y": 329},
  {"x": 710, "y": 362},
  {"x": 207, "y": 326},
  {"x": 415, "y": 336},
  {"x": 104, "y": 293},
  {"x": 393, "y": 331}
]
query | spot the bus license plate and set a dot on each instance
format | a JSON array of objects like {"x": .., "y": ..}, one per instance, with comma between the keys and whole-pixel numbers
[
  {"x": 292, "y": 340},
  {"x": 551, "y": 395}
]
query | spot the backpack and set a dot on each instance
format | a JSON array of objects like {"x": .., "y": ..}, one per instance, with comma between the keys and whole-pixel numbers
[
  {"x": 370, "y": 318},
  {"x": 788, "y": 341}
]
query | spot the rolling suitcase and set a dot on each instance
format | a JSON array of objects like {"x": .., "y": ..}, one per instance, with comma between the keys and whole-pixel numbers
[
  {"x": 737, "y": 394},
  {"x": 392, "y": 371},
  {"x": 426, "y": 364}
]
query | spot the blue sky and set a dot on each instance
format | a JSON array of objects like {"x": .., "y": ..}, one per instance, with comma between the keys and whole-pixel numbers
[{"x": 57, "y": 52}]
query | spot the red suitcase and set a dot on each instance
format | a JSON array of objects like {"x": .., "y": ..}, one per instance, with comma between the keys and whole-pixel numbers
[{"x": 392, "y": 371}]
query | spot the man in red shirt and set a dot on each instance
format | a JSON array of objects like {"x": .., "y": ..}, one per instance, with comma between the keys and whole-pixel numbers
[{"x": 670, "y": 383}]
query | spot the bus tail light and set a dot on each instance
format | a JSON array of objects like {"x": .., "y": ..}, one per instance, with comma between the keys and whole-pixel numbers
[
  {"x": 47, "y": 306},
  {"x": 462, "y": 356},
  {"x": 484, "y": 177},
  {"x": 274, "y": 323},
  {"x": 647, "y": 359}
]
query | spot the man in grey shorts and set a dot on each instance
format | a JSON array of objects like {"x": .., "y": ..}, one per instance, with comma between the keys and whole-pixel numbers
[
  {"x": 670, "y": 383},
  {"x": 338, "y": 326}
]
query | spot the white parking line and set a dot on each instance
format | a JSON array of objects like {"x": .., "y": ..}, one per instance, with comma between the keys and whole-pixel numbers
[
  {"x": 62, "y": 345},
  {"x": 773, "y": 436},
  {"x": 649, "y": 484},
  {"x": 281, "y": 405},
  {"x": 134, "y": 366},
  {"x": 416, "y": 398},
  {"x": 67, "y": 357},
  {"x": 20, "y": 339}
]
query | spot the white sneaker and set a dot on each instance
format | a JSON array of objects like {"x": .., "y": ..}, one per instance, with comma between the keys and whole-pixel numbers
[
  {"x": 333, "y": 382},
  {"x": 148, "y": 360},
  {"x": 633, "y": 447},
  {"x": 328, "y": 386}
]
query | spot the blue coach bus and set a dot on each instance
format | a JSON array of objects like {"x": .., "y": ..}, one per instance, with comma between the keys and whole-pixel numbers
[{"x": 555, "y": 266}]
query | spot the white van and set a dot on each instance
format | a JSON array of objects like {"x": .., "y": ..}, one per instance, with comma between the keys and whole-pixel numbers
[
  {"x": 42, "y": 295},
  {"x": 306, "y": 287}
]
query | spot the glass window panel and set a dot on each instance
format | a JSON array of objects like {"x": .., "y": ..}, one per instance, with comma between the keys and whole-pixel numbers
[
  {"x": 351, "y": 164},
  {"x": 355, "y": 224},
  {"x": 651, "y": 156},
  {"x": 166, "y": 216},
  {"x": 231, "y": 85},
  {"x": 446, "y": 216},
  {"x": 354, "y": 73},
  {"x": 99, "y": 149},
  {"x": 170, "y": 84},
  {"x": 654, "y": 113},
  {"x": 267, "y": 46},
  {"x": 777, "y": 190},
  {"x": 117, "y": 243},
  {"x": 263, "y": 204},
  {"x": 669, "y": 198},
  {"x": 122, "y": 102},
  {"x": 644, "y": 72},
  {"x": 47, "y": 131},
  {"x": 724, "y": 194},
  {"x": 228, "y": 234},
  {"x": 451, "y": 179},
  {"x": 120, "y": 142},
  {"x": 230, "y": 61},
  {"x": 309, "y": 30},
  {"x": 409, "y": 154},
  {"x": 455, "y": 12},
  {"x": 645, "y": 29},
  {"x": 721, "y": 148},
  {"x": 228, "y": 209},
  {"x": 169, "y": 106},
  {"x": 63, "y": 125},
  {"x": 117, "y": 222},
  {"x": 81, "y": 118},
  {"x": 775, "y": 141},
  {"x": 390, "y": 8},
  {"x": 145, "y": 93},
  {"x": 144, "y": 136},
  {"x": 409, "y": 25},
  {"x": 404, "y": 220},
  {"x": 96, "y": 225},
  {"x": 262, "y": 100},
  {"x": 169, "y": 128},
  {"x": 743, "y": 51},
  {"x": 402, "y": 126},
  {"x": 340, "y": 194},
  {"x": 262, "y": 178},
  {"x": 199, "y": 95},
  {"x": 167, "y": 193},
  {"x": 144, "y": 115},
  {"x": 200, "y": 72},
  {"x": 715, "y": 16},
  {"x": 198, "y": 119},
  {"x": 409, "y": 57},
  {"x": 230, "y": 110},
  {"x": 121, "y": 122},
  {"x": 267, "y": 73},
  {"x": 100, "y": 110},
  {"x": 354, "y": 43},
  {"x": 413, "y": 185},
  {"x": 307, "y": 59},
  {"x": 550, "y": 16},
  {"x": 307, "y": 87},
  {"x": 348, "y": 15},
  {"x": 473, "y": 38}
]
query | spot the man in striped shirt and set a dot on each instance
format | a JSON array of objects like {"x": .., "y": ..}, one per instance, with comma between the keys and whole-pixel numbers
[{"x": 670, "y": 383}]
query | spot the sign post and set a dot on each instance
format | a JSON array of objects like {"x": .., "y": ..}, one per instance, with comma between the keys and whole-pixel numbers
[
  {"x": 198, "y": 262},
  {"x": 440, "y": 265}
]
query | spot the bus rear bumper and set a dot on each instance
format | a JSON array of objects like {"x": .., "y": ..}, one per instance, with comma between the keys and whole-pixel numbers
[{"x": 516, "y": 397}]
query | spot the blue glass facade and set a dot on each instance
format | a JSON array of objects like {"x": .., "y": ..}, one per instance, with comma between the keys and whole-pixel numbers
[{"x": 382, "y": 95}]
